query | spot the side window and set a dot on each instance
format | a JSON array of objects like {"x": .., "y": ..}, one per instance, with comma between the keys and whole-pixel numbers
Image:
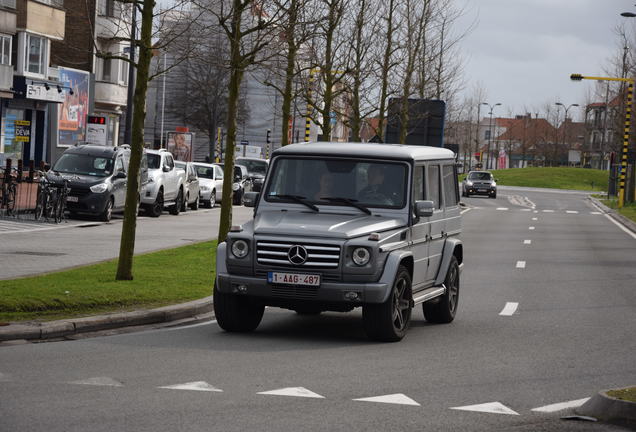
[
  {"x": 450, "y": 187},
  {"x": 418, "y": 183},
  {"x": 432, "y": 178},
  {"x": 119, "y": 164},
  {"x": 219, "y": 172},
  {"x": 169, "y": 161}
]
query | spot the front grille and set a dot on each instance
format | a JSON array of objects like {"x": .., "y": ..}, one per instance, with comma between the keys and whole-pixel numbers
[
  {"x": 481, "y": 185},
  {"x": 319, "y": 256},
  {"x": 79, "y": 192},
  {"x": 295, "y": 292}
]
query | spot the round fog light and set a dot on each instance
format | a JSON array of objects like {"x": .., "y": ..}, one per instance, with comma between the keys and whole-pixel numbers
[{"x": 361, "y": 256}]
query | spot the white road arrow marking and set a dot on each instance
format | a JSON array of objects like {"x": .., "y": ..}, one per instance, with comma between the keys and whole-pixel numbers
[
  {"x": 509, "y": 309},
  {"x": 521, "y": 264},
  {"x": 293, "y": 391},
  {"x": 99, "y": 381},
  {"x": 397, "y": 398},
  {"x": 196, "y": 386},
  {"x": 561, "y": 406},
  {"x": 490, "y": 407}
]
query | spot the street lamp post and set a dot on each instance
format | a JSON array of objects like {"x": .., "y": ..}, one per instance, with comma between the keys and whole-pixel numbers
[
  {"x": 565, "y": 124},
  {"x": 492, "y": 107}
]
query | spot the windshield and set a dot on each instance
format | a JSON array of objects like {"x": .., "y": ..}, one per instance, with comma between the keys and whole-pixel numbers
[
  {"x": 479, "y": 176},
  {"x": 367, "y": 183},
  {"x": 254, "y": 166},
  {"x": 205, "y": 172},
  {"x": 84, "y": 165},
  {"x": 154, "y": 161}
]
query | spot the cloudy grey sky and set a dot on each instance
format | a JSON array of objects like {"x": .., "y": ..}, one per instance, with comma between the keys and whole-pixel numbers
[{"x": 523, "y": 51}]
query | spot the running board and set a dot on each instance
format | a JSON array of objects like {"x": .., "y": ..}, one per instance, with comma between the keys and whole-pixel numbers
[{"x": 429, "y": 294}]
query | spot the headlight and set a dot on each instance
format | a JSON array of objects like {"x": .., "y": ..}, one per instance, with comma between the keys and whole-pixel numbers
[
  {"x": 493, "y": 184},
  {"x": 239, "y": 248},
  {"x": 205, "y": 188},
  {"x": 235, "y": 186},
  {"x": 361, "y": 256},
  {"x": 469, "y": 183},
  {"x": 99, "y": 188}
]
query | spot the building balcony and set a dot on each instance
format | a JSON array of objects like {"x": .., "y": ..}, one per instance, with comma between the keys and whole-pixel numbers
[
  {"x": 110, "y": 28},
  {"x": 107, "y": 93},
  {"x": 7, "y": 19},
  {"x": 6, "y": 77},
  {"x": 7, "y": 4},
  {"x": 44, "y": 18}
]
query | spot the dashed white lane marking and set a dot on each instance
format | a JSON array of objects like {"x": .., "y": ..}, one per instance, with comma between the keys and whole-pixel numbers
[
  {"x": 535, "y": 211},
  {"x": 196, "y": 386},
  {"x": 490, "y": 407},
  {"x": 509, "y": 309},
  {"x": 527, "y": 242},
  {"x": 571, "y": 211},
  {"x": 595, "y": 213},
  {"x": 534, "y": 218},
  {"x": 502, "y": 208},
  {"x": 293, "y": 391},
  {"x": 526, "y": 210},
  {"x": 398, "y": 398},
  {"x": 521, "y": 264},
  {"x": 561, "y": 406},
  {"x": 99, "y": 381},
  {"x": 531, "y": 228},
  {"x": 548, "y": 211}
]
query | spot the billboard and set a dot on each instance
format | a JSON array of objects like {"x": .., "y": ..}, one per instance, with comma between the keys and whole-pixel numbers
[
  {"x": 180, "y": 145},
  {"x": 425, "y": 125},
  {"x": 73, "y": 111}
]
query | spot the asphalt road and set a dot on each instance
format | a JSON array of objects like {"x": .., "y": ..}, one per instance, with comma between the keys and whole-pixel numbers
[
  {"x": 542, "y": 322},
  {"x": 28, "y": 248}
]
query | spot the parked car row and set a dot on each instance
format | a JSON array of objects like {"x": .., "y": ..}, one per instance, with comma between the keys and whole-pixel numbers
[{"x": 97, "y": 177}]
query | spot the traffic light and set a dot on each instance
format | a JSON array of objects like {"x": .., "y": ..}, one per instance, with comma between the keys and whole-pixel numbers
[
  {"x": 269, "y": 139},
  {"x": 576, "y": 77}
]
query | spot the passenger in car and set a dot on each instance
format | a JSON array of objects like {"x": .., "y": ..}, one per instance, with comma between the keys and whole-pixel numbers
[{"x": 325, "y": 186}]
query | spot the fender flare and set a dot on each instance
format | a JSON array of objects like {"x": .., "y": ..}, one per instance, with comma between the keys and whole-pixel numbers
[
  {"x": 221, "y": 264},
  {"x": 449, "y": 249},
  {"x": 391, "y": 266}
]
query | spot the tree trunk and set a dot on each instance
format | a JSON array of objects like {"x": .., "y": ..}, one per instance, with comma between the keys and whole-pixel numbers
[
  {"x": 386, "y": 63},
  {"x": 127, "y": 243},
  {"x": 289, "y": 72}
]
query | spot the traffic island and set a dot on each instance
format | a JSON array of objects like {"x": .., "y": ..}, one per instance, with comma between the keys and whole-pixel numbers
[
  {"x": 69, "y": 327},
  {"x": 617, "y": 406}
]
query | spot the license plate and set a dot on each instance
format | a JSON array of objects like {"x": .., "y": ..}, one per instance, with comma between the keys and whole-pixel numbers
[
  {"x": 482, "y": 190},
  {"x": 293, "y": 278},
  {"x": 72, "y": 199}
]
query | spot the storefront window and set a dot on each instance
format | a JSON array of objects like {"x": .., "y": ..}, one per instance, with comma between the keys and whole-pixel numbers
[{"x": 10, "y": 147}]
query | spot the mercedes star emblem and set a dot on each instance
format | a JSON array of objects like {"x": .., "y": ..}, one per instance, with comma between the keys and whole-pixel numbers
[{"x": 297, "y": 255}]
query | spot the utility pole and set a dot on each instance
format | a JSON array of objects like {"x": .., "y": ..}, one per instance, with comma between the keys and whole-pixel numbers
[{"x": 492, "y": 108}]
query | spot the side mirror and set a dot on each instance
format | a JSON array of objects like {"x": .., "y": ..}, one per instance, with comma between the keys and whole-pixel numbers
[
  {"x": 238, "y": 178},
  {"x": 166, "y": 168},
  {"x": 250, "y": 199},
  {"x": 120, "y": 175},
  {"x": 424, "y": 208}
]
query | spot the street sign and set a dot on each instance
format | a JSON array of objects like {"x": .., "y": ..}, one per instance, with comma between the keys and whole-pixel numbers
[{"x": 97, "y": 132}]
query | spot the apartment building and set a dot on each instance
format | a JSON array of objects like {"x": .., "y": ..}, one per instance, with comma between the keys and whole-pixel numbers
[{"x": 29, "y": 87}]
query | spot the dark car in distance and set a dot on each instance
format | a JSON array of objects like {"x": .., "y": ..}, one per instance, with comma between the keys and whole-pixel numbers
[
  {"x": 479, "y": 183},
  {"x": 256, "y": 168}
]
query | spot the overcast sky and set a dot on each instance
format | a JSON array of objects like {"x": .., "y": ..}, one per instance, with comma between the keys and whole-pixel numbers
[{"x": 523, "y": 51}]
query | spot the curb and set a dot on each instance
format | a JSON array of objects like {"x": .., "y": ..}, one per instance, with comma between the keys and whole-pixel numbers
[
  {"x": 609, "y": 409},
  {"x": 73, "y": 326},
  {"x": 626, "y": 222}
]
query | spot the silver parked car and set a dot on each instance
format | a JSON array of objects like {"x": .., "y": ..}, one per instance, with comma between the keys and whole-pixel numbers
[
  {"x": 210, "y": 183},
  {"x": 191, "y": 185},
  {"x": 374, "y": 226}
]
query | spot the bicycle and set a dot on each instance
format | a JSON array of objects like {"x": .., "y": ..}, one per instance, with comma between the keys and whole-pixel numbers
[
  {"x": 63, "y": 191},
  {"x": 45, "y": 203},
  {"x": 9, "y": 192}
]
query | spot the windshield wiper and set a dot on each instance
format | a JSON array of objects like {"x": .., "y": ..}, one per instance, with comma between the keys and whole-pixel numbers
[
  {"x": 298, "y": 199},
  {"x": 348, "y": 201}
]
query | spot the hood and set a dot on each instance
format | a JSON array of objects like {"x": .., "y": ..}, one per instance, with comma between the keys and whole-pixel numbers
[
  {"x": 76, "y": 180},
  {"x": 296, "y": 223}
]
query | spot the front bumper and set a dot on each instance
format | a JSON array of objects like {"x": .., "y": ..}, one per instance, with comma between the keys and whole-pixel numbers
[
  {"x": 479, "y": 190},
  {"x": 327, "y": 292},
  {"x": 205, "y": 195},
  {"x": 87, "y": 202},
  {"x": 150, "y": 194}
]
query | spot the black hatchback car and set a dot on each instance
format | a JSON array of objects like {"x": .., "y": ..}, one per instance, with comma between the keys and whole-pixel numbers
[
  {"x": 479, "y": 183},
  {"x": 97, "y": 176}
]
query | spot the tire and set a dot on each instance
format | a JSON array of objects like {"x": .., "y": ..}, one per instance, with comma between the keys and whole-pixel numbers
[
  {"x": 155, "y": 209},
  {"x": 11, "y": 200},
  {"x": 494, "y": 195},
  {"x": 195, "y": 205},
  {"x": 40, "y": 204},
  {"x": 49, "y": 208},
  {"x": 176, "y": 208},
  {"x": 212, "y": 202},
  {"x": 107, "y": 214},
  {"x": 59, "y": 211},
  {"x": 389, "y": 321},
  {"x": 236, "y": 313},
  {"x": 442, "y": 310},
  {"x": 184, "y": 204}
]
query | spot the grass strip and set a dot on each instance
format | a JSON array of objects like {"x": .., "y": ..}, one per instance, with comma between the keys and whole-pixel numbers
[
  {"x": 160, "y": 278},
  {"x": 629, "y": 210},
  {"x": 554, "y": 178},
  {"x": 628, "y": 394}
]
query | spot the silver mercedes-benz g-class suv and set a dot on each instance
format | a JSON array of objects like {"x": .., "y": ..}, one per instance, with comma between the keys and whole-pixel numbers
[{"x": 342, "y": 225}]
